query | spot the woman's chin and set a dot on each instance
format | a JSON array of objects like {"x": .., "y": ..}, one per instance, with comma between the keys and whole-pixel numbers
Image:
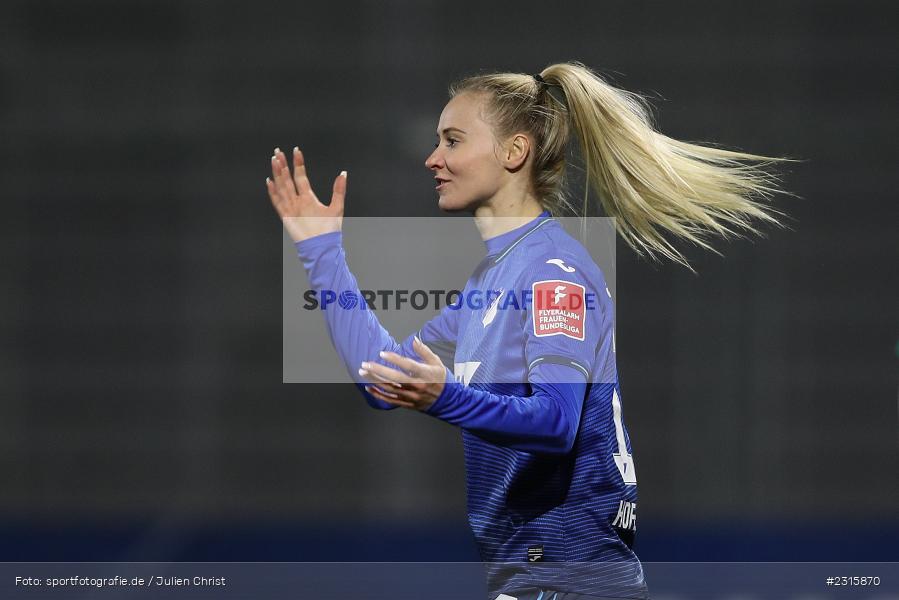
[{"x": 446, "y": 203}]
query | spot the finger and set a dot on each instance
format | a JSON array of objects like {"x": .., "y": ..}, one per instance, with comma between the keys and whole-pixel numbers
[
  {"x": 272, "y": 193},
  {"x": 380, "y": 378},
  {"x": 276, "y": 167},
  {"x": 407, "y": 364},
  {"x": 381, "y": 390},
  {"x": 339, "y": 193},
  {"x": 425, "y": 352},
  {"x": 299, "y": 161},
  {"x": 283, "y": 181},
  {"x": 375, "y": 378},
  {"x": 381, "y": 396},
  {"x": 277, "y": 164},
  {"x": 299, "y": 172},
  {"x": 386, "y": 373}
]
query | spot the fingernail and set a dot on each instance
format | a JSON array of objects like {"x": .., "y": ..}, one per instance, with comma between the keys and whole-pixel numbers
[
  {"x": 296, "y": 150},
  {"x": 381, "y": 353},
  {"x": 363, "y": 372},
  {"x": 365, "y": 365},
  {"x": 277, "y": 150},
  {"x": 343, "y": 174}
]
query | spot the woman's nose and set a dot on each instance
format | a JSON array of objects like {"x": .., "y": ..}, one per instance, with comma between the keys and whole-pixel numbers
[{"x": 433, "y": 161}]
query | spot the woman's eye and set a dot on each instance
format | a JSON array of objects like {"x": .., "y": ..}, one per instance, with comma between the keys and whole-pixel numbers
[{"x": 451, "y": 142}]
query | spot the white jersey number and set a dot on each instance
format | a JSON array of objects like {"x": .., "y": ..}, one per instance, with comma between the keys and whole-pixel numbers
[{"x": 623, "y": 460}]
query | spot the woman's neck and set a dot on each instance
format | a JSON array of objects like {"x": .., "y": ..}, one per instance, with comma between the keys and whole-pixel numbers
[{"x": 499, "y": 216}]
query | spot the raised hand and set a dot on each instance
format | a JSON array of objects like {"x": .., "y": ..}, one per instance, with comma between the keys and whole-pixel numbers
[{"x": 295, "y": 202}]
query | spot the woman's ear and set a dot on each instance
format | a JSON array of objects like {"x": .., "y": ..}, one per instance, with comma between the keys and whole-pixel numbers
[{"x": 515, "y": 152}]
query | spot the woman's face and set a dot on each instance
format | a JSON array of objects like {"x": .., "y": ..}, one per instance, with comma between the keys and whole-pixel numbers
[{"x": 465, "y": 164}]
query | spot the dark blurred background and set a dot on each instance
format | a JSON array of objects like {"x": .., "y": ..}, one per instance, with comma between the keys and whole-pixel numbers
[{"x": 142, "y": 414}]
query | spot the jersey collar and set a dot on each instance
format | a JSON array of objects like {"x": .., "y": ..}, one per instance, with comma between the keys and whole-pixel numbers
[{"x": 501, "y": 245}]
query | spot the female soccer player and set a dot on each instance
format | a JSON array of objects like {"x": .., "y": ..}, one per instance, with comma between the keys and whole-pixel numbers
[{"x": 550, "y": 476}]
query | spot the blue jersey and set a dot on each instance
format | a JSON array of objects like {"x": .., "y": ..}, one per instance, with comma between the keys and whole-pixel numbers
[{"x": 550, "y": 475}]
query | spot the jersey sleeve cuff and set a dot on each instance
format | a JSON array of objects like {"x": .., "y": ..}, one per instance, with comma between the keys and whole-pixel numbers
[
  {"x": 450, "y": 388},
  {"x": 312, "y": 247}
]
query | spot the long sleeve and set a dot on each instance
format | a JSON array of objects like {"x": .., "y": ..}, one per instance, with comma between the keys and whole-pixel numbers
[
  {"x": 546, "y": 421},
  {"x": 357, "y": 335}
]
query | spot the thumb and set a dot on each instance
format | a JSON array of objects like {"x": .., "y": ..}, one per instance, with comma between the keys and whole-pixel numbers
[
  {"x": 338, "y": 194},
  {"x": 426, "y": 353}
]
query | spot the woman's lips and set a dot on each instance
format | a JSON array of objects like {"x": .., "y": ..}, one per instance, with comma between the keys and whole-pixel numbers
[{"x": 441, "y": 184}]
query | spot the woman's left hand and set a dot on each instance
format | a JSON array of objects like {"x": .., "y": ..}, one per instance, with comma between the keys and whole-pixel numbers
[{"x": 417, "y": 385}]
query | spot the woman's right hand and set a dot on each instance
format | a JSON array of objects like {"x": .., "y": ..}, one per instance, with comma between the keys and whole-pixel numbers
[{"x": 295, "y": 202}]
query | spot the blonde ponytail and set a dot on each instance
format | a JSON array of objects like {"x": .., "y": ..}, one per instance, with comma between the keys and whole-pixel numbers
[{"x": 650, "y": 183}]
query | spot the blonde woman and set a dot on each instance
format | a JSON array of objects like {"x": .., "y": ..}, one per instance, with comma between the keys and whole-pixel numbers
[{"x": 551, "y": 483}]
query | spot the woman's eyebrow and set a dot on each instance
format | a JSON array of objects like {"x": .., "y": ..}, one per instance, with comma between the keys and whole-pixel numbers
[{"x": 448, "y": 129}]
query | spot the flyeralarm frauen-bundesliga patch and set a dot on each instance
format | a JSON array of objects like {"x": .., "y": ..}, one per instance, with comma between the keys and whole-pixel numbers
[{"x": 559, "y": 308}]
